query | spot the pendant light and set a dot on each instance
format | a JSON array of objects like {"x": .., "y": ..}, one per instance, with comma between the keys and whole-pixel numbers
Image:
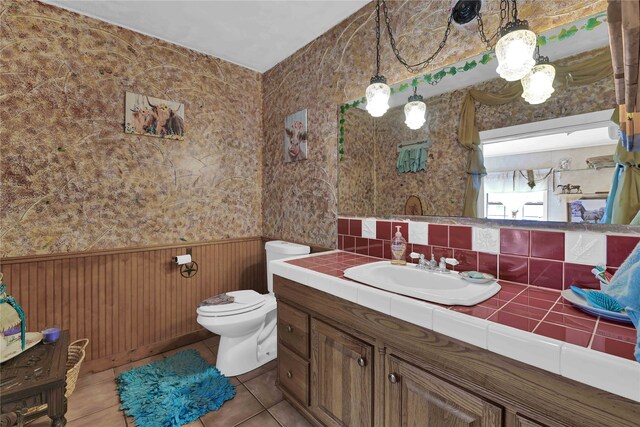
[
  {"x": 415, "y": 111},
  {"x": 538, "y": 84},
  {"x": 378, "y": 92},
  {"x": 515, "y": 48}
]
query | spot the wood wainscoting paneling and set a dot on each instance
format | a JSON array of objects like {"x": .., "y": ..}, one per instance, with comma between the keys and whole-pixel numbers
[{"x": 131, "y": 301}]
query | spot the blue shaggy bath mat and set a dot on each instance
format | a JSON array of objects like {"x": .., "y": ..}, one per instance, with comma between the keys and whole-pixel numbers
[{"x": 174, "y": 391}]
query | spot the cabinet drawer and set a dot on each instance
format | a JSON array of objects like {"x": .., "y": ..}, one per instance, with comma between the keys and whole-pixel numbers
[
  {"x": 293, "y": 329},
  {"x": 293, "y": 374}
]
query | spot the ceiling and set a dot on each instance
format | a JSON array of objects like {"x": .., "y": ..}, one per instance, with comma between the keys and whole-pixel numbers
[
  {"x": 256, "y": 34},
  {"x": 563, "y": 133}
]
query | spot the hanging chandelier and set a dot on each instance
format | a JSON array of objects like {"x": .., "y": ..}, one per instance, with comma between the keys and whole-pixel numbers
[
  {"x": 515, "y": 48},
  {"x": 415, "y": 111},
  {"x": 378, "y": 92},
  {"x": 514, "y": 44},
  {"x": 537, "y": 85}
]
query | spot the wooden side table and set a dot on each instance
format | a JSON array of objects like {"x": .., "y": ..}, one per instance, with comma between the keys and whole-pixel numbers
[{"x": 36, "y": 377}]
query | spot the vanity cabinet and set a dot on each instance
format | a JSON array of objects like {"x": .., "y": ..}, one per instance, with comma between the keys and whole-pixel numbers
[
  {"x": 342, "y": 364},
  {"x": 342, "y": 377},
  {"x": 417, "y": 398}
]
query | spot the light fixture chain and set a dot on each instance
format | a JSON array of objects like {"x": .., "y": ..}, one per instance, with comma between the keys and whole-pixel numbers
[
  {"x": 378, "y": 38},
  {"x": 491, "y": 41},
  {"x": 413, "y": 68}
]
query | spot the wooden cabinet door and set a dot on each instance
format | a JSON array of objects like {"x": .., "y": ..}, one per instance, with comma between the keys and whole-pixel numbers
[
  {"x": 521, "y": 421},
  {"x": 341, "y": 377},
  {"x": 416, "y": 398}
]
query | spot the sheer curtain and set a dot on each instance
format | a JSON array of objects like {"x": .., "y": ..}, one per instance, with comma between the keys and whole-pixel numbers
[{"x": 517, "y": 181}]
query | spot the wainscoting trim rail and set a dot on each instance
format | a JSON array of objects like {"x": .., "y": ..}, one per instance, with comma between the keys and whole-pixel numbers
[{"x": 78, "y": 254}]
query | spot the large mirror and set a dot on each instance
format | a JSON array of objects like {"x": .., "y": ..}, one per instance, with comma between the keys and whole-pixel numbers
[{"x": 552, "y": 161}]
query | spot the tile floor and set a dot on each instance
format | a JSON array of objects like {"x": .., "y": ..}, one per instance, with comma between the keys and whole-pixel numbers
[{"x": 258, "y": 402}]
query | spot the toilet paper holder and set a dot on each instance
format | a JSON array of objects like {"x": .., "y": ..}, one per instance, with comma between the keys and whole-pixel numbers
[
  {"x": 188, "y": 267},
  {"x": 182, "y": 259}
]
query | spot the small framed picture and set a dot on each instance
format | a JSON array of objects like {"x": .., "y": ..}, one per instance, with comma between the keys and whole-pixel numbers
[
  {"x": 149, "y": 116},
  {"x": 588, "y": 209},
  {"x": 295, "y": 137}
]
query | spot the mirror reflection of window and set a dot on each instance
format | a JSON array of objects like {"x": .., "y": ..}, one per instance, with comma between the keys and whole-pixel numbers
[
  {"x": 495, "y": 209},
  {"x": 537, "y": 170},
  {"x": 529, "y": 206}
]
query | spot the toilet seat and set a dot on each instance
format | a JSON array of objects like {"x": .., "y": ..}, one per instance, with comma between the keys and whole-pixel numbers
[{"x": 244, "y": 301}]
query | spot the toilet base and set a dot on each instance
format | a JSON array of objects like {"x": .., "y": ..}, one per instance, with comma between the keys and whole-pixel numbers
[{"x": 239, "y": 355}]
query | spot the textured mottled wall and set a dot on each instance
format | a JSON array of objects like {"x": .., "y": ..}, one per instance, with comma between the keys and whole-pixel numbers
[
  {"x": 441, "y": 186},
  {"x": 356, "y": 189},
  {"x": 299, "y": 199},
  {"x": 72, "y": 180}
]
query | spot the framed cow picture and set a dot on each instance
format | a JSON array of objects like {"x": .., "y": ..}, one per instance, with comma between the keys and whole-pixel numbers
[
  {"x": 295, "y": 137},
  {"x": 146, "y": 115}
]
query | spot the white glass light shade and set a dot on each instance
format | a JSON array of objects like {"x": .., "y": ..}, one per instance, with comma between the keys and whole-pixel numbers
[
  {"x": 514, "y": 51},
  {"x": 538, "y": 84},
  {"x": 378, "y": 99},
  {"x": 414, "y": 113}
]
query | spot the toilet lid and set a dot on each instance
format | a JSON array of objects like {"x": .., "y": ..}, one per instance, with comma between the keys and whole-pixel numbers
[{"x": 243, "y": 301}]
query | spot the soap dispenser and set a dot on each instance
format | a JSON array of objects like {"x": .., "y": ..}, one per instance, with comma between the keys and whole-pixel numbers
[{"x": 398, "y": 248}]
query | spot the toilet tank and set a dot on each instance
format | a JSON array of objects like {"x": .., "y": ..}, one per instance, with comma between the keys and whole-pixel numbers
[{"x": 279, "y": 249}]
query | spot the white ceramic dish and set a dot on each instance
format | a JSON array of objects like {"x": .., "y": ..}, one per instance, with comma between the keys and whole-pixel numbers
[
  {"x": 15, "y": 348},
  {"x": 486, "y": 279},
  {"x": 583, "y": 305}
]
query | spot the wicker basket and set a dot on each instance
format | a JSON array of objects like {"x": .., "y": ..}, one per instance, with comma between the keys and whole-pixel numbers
[{"x": 75, "y": 357}]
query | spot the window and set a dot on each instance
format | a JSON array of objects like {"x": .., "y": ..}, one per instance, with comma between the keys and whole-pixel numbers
[{"x": 520, "y": 206}]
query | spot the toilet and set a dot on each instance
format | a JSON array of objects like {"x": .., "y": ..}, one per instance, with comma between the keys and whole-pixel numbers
[{"x": 247, "y": 326}]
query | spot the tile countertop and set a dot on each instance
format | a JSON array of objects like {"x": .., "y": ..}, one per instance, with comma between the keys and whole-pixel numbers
[{"x": 526, "y": 323}]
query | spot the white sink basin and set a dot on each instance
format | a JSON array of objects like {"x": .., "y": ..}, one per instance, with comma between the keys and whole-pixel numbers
[{"x": 442, "y": 288}]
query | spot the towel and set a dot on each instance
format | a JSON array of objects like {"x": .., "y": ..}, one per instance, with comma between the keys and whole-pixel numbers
[
  {"x": 625, "y": 288},
  {"x": 220, "y": 299},
  {"x": 600, "y": 162},
  {"x": 412, "y": 160}
]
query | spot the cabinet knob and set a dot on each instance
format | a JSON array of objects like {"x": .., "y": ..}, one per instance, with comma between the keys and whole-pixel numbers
[
  {"x": 289, "y": 328},
  {"x": 289, "y": 374},
  {"x": 362, "y": 361},
  {"x": 393, "y": 378}
]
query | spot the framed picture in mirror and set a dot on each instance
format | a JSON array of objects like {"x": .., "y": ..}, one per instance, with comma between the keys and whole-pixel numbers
[{"x": 587, "y": 209}]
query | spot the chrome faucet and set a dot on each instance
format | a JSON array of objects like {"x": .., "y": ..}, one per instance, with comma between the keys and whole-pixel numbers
[
  {"x": 432, "y": 264},
  {"x": 442, "y": 268},
  {"x": 423, "y": 264}
]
